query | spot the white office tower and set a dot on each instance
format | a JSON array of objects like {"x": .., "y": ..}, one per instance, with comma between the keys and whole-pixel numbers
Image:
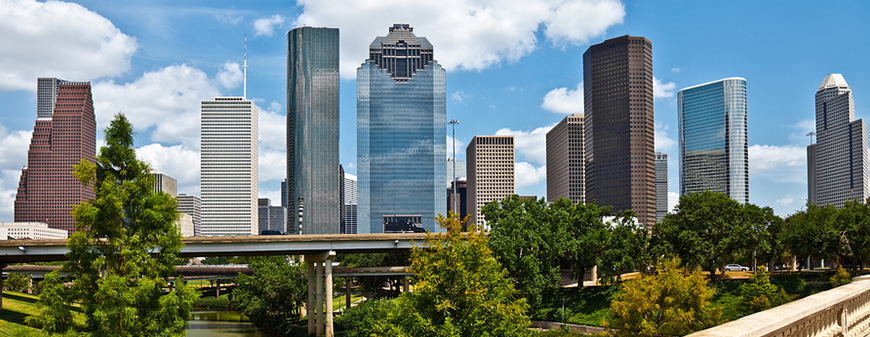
[
  {"x": 837, "y": 162},
  {"x": 228, "y": 167},
  {"x": 490, "y": 173}
]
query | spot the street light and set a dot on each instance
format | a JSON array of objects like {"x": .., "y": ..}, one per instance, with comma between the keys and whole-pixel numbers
[{"x": 453, "y": 123}]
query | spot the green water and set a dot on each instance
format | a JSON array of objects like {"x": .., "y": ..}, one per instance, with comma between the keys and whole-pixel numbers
[{"x": 214, "y": 323}]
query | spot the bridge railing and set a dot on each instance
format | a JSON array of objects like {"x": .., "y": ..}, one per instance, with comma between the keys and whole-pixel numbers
[{"x": 842, "y": 311}]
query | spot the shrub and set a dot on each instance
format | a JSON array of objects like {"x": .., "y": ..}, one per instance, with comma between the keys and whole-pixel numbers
[
  {"x": 17, "y": 282},
  {"x": 360, "y": 320},
  {"x": 840, "y": 278},
  {"x": 212, "y": 302},
  {"x": 759, "y": 294}
]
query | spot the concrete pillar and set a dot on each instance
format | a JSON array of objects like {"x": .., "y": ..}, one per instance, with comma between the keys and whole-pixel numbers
[
  {"x": 842, "y": 320},
  {"x": 327, "y": 265},
  {"x": 309, "y": 305},
  {"x": 405, "y": 284},
  {"x": 347, "y": 290},
  {"x": 35, "y": 288},
  {"x": 30, "y": 285},
  {"x": 318, "y": 301}
]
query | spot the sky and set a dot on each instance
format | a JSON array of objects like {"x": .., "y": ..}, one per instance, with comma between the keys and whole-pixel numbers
[{"x": 513, "y": 67}]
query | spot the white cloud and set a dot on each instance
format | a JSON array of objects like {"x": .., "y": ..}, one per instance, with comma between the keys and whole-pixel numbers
[
  {"x": 801, "y": 128},
  {"x": 177, "y": 161},
  {"x": 8, "y": 188},
  {"x": 273, "y": 127},
  {"x": 460, "y": 148},
  {"x": 564, "y": 100},
  {"x": 230, "y": 76},
  {"x": 466, "y": 34},
  {"x": 266, "y": 26},
  {"x": 58, "y": 39},
  {"x": 778, "y": 163},
  {"x": 13, "y": 148},
  {"x": 785, "y": 201},
  {"x": 663, "y": 90},
  {"x": 673, "y": 200},
  {"x": 526, "y": 174},
  {"x": 663, "y": 141},
  {"x": 460, "y": 96},
  {"x": 676, "y": 69},
  {"x": 273, "y": 195},
  {"x": 531, "y": 145},
  {"x": 273, "y": 164},
  {"x": 228, "y": 18}
]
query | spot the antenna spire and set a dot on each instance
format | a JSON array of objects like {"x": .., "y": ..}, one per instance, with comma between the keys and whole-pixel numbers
[{"x": 245, "y": 66}]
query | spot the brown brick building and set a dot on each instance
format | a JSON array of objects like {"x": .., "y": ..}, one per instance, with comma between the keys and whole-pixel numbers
[
  {"x": 47, "y": 189},
  {"x": 619, "y": 125}
]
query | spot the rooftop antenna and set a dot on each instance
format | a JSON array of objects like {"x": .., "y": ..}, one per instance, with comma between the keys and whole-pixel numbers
[
  {"x": 245, "y": 66},
  {"x": 811, "y": 134}
]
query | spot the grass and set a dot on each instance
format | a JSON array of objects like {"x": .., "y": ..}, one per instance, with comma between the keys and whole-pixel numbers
[
  {"x": 16, "y": 306},
  {"x": 339, "y": 301}
]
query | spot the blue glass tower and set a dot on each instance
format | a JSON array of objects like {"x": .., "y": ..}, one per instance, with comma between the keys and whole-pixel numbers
[
  {"x": 714, "y": 154},
  {"x": 401, "y": 128}
]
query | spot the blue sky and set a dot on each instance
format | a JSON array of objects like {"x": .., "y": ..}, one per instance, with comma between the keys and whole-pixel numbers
[{"x": 514, "y": 67}]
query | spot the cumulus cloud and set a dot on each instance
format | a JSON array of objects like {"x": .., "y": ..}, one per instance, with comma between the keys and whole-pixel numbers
[
  {"x": 787, "y": 200},
  {"x": 466, "y": 34},
  {"x": 58, "y": 39},
  {"x": 8, "y": 188},
  {"x": 663, "y": 141},
  {"x": 13, "y": 148},
  {"x": 531, "y": 145},
  {"x": 273, "y": 127},
  {"x": 460, "y": 148},
  {"x": 273, "y": 164},
  {"x": 800, "y": 130},
  {"x": 230, "y": 76},
  {"x": 564, "y": 100},
  {"x": 273, "y": 195},
  {"x": 778, "y": 163},
  {"x": 663, "y": 90},
  {"x": 177, "y": 161},
  {"x": 266, "y": 26},
  {"x": 460, "y": 96},
  {"x": 526, "y": 174}
]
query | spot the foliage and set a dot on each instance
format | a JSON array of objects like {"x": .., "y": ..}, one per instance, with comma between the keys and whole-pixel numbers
[
  {"x": 125, "y": 249},
  {"x": 54, "y": 304},
  {"x": 19, "y": 282},
  {"x": 360, "y": 320},
  {"x": 273, "y": 295},
  {"x": 709, "y": 229},
  {"x": 223, "y": 260},
  {"x": 759, "y": 294},
  {"x": 460, "y": 290},
  {"x": 672, "y": 302},
  {"x": 841, "y": 277},
  {"x": 813, "y": 233},
  {"x": 853, "y": 220},
  {"x": 212, "y": 302}
]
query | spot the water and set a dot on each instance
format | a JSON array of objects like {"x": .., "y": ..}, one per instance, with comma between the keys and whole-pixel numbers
[{"x": 214, "y": 323}]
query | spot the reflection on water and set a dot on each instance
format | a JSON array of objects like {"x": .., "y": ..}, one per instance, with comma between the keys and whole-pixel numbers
[{"x": 214, "y": 323}]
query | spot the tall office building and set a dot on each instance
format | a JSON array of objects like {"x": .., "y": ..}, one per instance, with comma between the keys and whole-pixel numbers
[
  {"x": 312, "y": 128},
  {"x": 64, "y": 133},
  {"x": 271, "y": 218},
  {"x": 714, "y": 154},
  {"x": 191, "y": 205},
  {"x": 661, "y": 186},
  {"x": 228, "y": 167},
  {"x": 401, "y": 128},
  {"x": 565, "y": 160},
  {"x": 461, "y": 201},
  {"x": 350, "y": 204},
  {"x": 490, "y": 173},
  {"x": 619, "y": 126},
  {"x": 837, "y": 162},
  {"x": 165, "y": 183}
]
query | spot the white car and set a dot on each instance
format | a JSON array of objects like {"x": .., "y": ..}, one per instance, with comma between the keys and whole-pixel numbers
[{"x": 736, "y": 267}]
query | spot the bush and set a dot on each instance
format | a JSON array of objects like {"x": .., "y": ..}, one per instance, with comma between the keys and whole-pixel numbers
[
  {"x": 759, "y": 294},
  {"x": 212, "y": 302},
  {"x": 360, "y": 320},
  {"x": 17, "y": 282},
  {"x": 840, "y": 278}
]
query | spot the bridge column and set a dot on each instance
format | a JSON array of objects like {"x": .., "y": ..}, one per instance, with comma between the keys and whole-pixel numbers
[
  {"x": 347, "y": 290},
  {"x": 327, "y": 265},
  {"x": 405, "y": 284},
  {"x": 309, "y": 305},
  {"x": 318, "y": 301}
]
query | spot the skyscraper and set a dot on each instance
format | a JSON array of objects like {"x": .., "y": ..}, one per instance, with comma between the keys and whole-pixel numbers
[
  {"x": 401, "y": 128},
  {"x": 490, "y": 173},
  {"x": 271, "y": 218},
  {"x": 312, "y": 128},
  {"x": 837, "y": 162},
  {"x": 228, "y": 166},
  {"x": 191, "y": 205},
  {"x": 351, "y": 202},
  {"x": 565, "y": 160},
  {"x": 619, "y": 126},
  {"x": 164, "y": 183},
  {"x": 661, "y": 186},
  {"x": 64, "y": 133},
  {"x": 714, "y": 154}
]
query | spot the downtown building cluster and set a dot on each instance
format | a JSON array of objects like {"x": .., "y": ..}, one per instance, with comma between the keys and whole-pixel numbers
[{"x": 604, "y": 154}]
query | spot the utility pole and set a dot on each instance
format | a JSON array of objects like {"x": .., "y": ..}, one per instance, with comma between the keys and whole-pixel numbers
[{"x": 453, "y": 123}]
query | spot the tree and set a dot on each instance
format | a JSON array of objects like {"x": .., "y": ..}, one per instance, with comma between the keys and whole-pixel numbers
[
  {"x": 673, "y": 302},
  {"x": 124, "y": 251},
  {"x": 19, "y": 282},
  {"x": 460, "y": 290},
  {"x": 813, "y": 233},
  {"x": 709, "y": 229},
  {"x": 759, "y": 294},
  {"x": 853, "y": 220},
  {"x": 273, "y": 295}
]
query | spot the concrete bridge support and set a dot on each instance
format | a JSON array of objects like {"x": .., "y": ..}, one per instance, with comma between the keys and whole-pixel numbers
[{"x": 319, "y": 304}]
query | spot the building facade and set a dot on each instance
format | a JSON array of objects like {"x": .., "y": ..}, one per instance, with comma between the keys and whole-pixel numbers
[
  {"x": 312, "y": 128},
  {"x": 566, "y": 169},
  {"x": 661, "y": 186},
  {"x": 461, "y": 200},
  {"x": 401, "y": 128},
  {"x": 490, "y": 173},
  {"x": 64, "y": 133},
  {"x": 350, "y": 204},
  {"x": 619, "y": 125},
  {"x": 228, "y": 167},
  {"x": 271, "y": 218},
  {"x": 837, "y": 162},
  {"x": 164, "y": 183},
  {"x": 30, "y": 230},
  {"x": 459, "y": 173},
  {"x": 191, "y": 205}
]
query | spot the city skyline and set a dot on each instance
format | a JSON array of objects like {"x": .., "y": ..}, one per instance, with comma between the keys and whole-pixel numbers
[{"x": 193, "y": 52}]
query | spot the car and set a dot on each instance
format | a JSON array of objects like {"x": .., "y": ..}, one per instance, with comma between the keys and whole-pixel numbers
[{"x": 736, "y": 267}]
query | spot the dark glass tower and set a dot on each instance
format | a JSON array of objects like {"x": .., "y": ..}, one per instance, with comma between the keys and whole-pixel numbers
[
  {"x": 401, "y": 128},
  {"x": 619, "y": 126},
  {"x": 312, "y": 129}
]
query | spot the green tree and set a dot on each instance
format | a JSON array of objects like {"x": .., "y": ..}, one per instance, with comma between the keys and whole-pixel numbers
[
  {"x": 673, "y": 302},
  {"x": 759, "y": 294},
  {"x": 273, "y": 295},
  {"x": 813, "y": 233},
  {"x": 853, "y": 220},
  {"x": 460, "y": 290},
  {"x": 709, "y": 229},
  {"x": 19, "y": 282},
  {"x": 360, "y": 320},
  {"x": 125, "y": 249}
]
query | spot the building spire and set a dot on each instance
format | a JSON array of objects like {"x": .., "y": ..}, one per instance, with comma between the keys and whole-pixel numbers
[{"x": 245, "y": 67}]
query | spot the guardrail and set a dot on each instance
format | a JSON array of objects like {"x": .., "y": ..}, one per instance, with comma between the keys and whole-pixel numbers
[{"x": 842, "y": 311}]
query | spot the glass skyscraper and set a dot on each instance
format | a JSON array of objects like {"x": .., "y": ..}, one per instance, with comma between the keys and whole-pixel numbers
[
  {"x": 714, "y": 155},
  {"x": 312, "y": 130},
  {"x": 401, "y": 128}
]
